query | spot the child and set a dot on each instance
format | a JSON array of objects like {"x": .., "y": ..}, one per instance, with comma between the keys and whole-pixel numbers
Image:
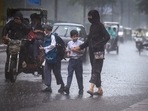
[
  {"x": 56, "y": 66},
  {"x": 75, "y": 62}
]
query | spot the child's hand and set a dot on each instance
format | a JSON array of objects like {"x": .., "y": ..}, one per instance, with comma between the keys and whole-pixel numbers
[
  {"x": 76, "y": 49},
  {"x": 68, "y": 54},
  {"x": 41, "y": 48},
  {"x": 73, "y": 49}
]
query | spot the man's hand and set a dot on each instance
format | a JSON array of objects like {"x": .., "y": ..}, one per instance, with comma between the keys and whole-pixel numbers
[
  {"x": 68, "y": 54},
  {"x": 41, "y": 48},
  {"x": 38, "y": 31},
  {"x": 76, "y": 49},
  {"x": 6, "y": 39}
]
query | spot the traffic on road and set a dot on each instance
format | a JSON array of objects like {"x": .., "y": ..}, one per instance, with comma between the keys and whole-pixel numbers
[{"x": 124, "y": 80}]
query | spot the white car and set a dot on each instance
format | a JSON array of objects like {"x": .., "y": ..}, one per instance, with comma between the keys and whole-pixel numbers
[{"x": 64, "y": 29}]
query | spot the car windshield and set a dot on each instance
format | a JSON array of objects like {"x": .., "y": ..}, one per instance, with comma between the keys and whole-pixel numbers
[{"x": 64, "y": 31}]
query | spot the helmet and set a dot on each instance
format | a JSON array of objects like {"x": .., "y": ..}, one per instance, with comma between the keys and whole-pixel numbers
[{"x": 18, "y": 14}]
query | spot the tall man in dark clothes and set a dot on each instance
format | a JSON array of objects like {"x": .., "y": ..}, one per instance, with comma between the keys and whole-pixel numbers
[{"x": 97, "y": 38}]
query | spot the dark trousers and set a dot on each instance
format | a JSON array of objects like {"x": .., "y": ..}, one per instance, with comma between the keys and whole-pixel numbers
[
  {"x": 6, "y": 64},
  {"x": 96, "y": 65},
  {"x": 56, "y": 68},
  {"x": 75, "y": 65},
  {"x": 37, "y": 44}
]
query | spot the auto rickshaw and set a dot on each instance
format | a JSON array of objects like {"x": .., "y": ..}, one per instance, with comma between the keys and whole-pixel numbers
[
  {"x": 113, "y": 29},
  {"x": 20, "y": 59},
  {"x": 141, "y": 39}
]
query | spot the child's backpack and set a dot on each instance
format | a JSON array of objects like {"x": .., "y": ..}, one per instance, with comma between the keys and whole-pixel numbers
[
  {"x": 50, "y": 56},
  {"x": 58, "y": 52},
  {"x": 61, "y": 47}
]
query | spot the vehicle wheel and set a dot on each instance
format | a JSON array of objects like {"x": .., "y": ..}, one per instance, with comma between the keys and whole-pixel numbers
[
  {"x": 41, "y": 71},
  {"x": 13, "y": 73},
  {"x": 107, "y": 48},
  {"x": 139, "y": 50},
  {"x": 117, "y": 49},
  {"x": 139, "y": 47},
  {"x": 6, "y": 73}
]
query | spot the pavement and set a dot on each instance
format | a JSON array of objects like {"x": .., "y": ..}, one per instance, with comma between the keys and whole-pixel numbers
[
  {"x": 140, "y": 106},
  {"x": 2, "y": 47}
]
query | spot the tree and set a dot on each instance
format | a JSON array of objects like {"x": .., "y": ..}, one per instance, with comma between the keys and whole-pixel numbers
[
  {"x": 102, "y": 5},
  {"x": 93, "y": 4},
  {"x": 142, "y": 5},
  {"x": 56, "y": 10}
]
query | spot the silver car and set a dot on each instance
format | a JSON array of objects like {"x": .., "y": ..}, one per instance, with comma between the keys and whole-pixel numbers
[{"x": 64, "y": 29}]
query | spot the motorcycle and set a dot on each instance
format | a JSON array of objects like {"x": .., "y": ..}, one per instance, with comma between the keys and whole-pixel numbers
[
  {"x": 19, "y": 57},
  {"x": 139, "y": 43},
  {"x": 13, "y": 64},
  {"x": 20, "y": 61}
]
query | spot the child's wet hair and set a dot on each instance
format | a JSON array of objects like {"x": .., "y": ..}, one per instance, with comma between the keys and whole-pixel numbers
[
  {"x": 73, "y": 32},
  {"x": 48, "y": 27}
]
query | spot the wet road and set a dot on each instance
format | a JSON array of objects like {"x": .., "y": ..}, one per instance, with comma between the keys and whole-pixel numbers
[{"x": 124, "y": 81}]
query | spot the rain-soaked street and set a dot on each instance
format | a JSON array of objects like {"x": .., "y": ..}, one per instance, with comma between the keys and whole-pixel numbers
[{"x": 124, "y": 81}]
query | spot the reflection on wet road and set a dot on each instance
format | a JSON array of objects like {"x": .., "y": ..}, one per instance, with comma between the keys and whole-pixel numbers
[{"x": 124, "y": 81}]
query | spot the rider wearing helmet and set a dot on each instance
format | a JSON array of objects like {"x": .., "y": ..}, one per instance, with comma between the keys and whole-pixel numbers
[{"x": 140, "y": 33}]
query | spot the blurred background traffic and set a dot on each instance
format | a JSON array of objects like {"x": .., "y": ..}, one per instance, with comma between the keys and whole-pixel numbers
[{"x": 130, "y": 14}]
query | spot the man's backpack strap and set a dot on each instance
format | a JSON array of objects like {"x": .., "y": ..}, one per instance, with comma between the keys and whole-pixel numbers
[{"x": 60, "y": 45}]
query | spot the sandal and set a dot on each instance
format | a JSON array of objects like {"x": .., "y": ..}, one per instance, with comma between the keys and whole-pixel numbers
[
  {"x": 90, "y": 92},
  {"x": 99, "y": 92}
]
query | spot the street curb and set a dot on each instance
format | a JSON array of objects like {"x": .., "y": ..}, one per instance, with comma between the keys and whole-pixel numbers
[
  {"x": 3, "y": 47},
  {"x": 140, "y": 106}
]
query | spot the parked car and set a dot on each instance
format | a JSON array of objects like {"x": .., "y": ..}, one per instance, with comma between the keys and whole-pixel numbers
[{"x": 64, "y": 29}]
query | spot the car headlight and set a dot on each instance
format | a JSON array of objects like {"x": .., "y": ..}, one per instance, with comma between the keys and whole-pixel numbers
[
  {"x": 147, "y": 34},
  {"x": 120, "y": 33}
]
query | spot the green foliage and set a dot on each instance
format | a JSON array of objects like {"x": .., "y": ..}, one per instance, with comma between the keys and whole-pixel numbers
[
  {"x": 142, "y": 5},
  {"x": 94, "y": 3}
]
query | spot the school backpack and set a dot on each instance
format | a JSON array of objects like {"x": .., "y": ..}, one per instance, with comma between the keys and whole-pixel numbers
[
  {"x": 56, "y": 53},
  {"x": 50, "y": 56},
  {"x": 60, "y": 46}
]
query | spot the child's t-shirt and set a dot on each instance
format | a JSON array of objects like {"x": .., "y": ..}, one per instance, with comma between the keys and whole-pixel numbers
[{"x": 72, "y": 44}]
